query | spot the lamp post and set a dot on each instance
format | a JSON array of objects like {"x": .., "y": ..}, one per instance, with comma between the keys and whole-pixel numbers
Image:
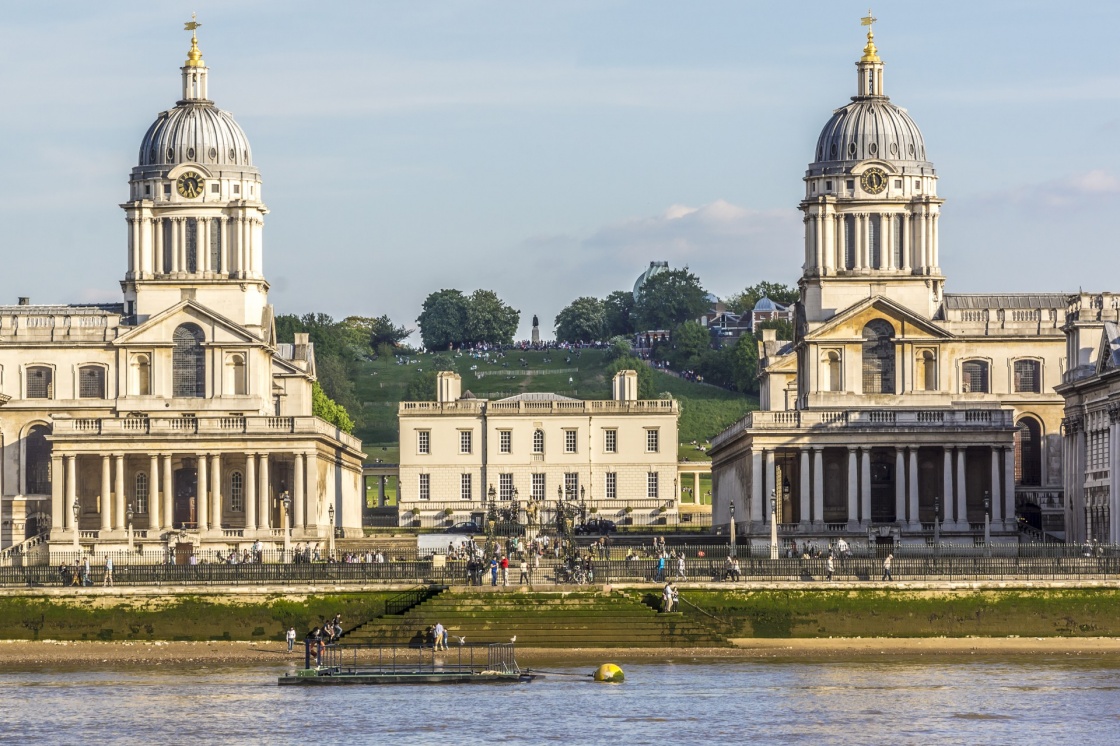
[
  {"x": 583, "y": 505},
  {"x": 77, "y": 514},
  {"x": 286, "y": 501},
  {"x": 330, "y": 516},
  {"x": 732, "y": 508},
  {"x": 128, "y": 515},
  {"x": 987, "y": 524},
  {"x": 773, "y": 526}
]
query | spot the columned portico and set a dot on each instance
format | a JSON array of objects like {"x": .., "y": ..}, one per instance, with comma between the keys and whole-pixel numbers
[
  {"x": 853, "y": 489},
  {"x": 818, "y": 487},
  {"x": 962, "y": 490}
]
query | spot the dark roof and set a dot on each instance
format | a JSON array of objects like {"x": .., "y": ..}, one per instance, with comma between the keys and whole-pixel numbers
[{"x": 982, "y": 301}]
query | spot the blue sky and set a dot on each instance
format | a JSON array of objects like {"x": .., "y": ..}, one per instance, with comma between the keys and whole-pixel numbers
[{"x": 551, "y": 150}]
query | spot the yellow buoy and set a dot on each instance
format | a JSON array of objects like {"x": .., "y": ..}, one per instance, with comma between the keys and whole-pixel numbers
[{"x": 609, "y": 673}]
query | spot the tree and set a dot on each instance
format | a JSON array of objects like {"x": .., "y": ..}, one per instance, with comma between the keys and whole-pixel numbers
[
  {"x": 670, "y": 298},
  {"x": 381, "y": 332},
  {"x": 783, "y": 327},
  {"x": 443, "y": 320},
  {"x": 489, "y": 320},
  {"x": 645, "y": 375},
  {"x": 689, "y": 341},
  {"x": 744, "y": 302},
  {"x": 582, "y": 321},
  {"x": 744, "y": 364},
  {"x": 421, "y": 387},
  {"x": 337, "y": 381},
  {"x": 325, "y": 408},
  {"x": 618, "y": 313}
]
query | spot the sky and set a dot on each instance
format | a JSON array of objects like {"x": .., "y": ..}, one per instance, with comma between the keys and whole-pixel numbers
[{"x": 550, "y": 150}]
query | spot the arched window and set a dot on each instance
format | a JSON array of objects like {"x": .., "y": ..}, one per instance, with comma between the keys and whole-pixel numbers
[
  {"x": 192, "y": 245},
  {"x": 538, "y": 441},
  {"x": 40, "y": 382},
  {"x": 875, "y": 243},
  {"x": 1028, "y": 376},
  {"x": 141, "y": 494},
  {"x": 830, "y": 371},
  {"x": 236, "y": 492},
  {"x": 141, "y": 375},
  {"x": 926, "y": 374},
  {"x": 849, "y": 242},
  {"x": 974, "y": 377},
  {"x": 37, "y": 460},
  {"x": 188, "y": 362},
  {"x": 1028, "y": 453},
  {"x": 216, "y": 245},
  {"x": 235, "y": 375},
  {"x": 878, "y": 358},
  {"x": 91, "y": 382}
]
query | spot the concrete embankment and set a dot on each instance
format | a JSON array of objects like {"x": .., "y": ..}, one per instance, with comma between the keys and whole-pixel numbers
[{"x": 713, "y": 615}]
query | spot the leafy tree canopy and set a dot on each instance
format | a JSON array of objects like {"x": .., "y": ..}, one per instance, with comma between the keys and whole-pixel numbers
[
  {"x": 581, "y": 321},
  {"x": 670, "y": 298},
  {"x": 324, "y": 407},
  {"x": 490, "y": 320},
  {"x": 689, "y": 341},
  {"x": 443, "y": 320},
  {"x": 743, "y": 302},
  {"x": 421, "y": 387},
  {"x": 618, "y": 313},
  {"x": 645, "y": 374}
]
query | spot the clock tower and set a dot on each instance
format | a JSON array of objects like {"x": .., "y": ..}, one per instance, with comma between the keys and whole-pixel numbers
[
  {"x": 870, "y": 207},
  {"x": 195, "y": 215}
]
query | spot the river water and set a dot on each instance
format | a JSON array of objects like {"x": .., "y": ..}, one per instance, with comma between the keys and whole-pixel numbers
[{"x": 987, "y": 701}]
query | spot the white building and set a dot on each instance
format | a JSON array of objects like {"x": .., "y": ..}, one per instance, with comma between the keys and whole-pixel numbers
[{"x": 177, "y": 407}]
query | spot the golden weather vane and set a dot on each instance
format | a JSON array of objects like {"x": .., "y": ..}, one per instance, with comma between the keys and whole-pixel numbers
[
  {"x": 868, "y": 20},
  {"x": 192, "y": 24},
  {"x": 194, "y": 56}
]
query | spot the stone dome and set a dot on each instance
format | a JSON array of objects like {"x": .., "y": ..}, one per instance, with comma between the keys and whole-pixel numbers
[
  {"x": 870, "y": 128},
  {"x": 195, "y": 132}
]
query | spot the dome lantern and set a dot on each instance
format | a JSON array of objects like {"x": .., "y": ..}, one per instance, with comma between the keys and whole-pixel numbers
[{"x": 194, "y": 69}]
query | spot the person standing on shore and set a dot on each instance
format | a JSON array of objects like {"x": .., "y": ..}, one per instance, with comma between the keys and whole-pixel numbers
[
  {"x": 108, "y": 572},
  {"x": 524, "y": 572},
  {"x": 887, "y": 567},
  {"x": 437, "y": 636},
  {"x": 494, "y": 571},
  {"x": 291, "y": 637},
  {"x": 829, "y": 568},
  {"x": 505, "y": 570}
]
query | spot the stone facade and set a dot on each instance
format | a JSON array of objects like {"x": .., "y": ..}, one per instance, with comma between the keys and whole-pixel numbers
[
  {"x": 457, "y": 454},
  {"x": 897, "y": 404},
  {"x": 177, "y": 411},
  {"x": 1091, "y": 450}
]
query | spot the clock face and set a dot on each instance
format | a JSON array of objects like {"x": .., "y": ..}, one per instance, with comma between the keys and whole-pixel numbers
[
  {"x": 190, "y": 184},
  {"x": 873, "y": 181}
]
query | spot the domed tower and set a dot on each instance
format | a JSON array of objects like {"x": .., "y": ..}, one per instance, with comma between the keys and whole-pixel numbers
[
  {"x": 195, "y": 215},
  {"x": 871, "y": 206}
]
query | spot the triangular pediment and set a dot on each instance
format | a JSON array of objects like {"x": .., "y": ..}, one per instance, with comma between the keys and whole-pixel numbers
[
  {"x": 1108, "y": 355},
  {"x": 850, "y": 322},
  {"x": 159, "y": 329}
]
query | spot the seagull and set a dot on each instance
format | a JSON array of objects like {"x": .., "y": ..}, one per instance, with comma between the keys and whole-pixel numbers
[
  {"x": 513, "y": 639},
  {"x": 462, "y": 640}
]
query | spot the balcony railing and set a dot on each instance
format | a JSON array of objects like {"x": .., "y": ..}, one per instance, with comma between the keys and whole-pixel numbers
[
  {"x": 869, "y": 419},
  {"x": 178, "y": 426},
  {"x": 647, "y": 406}
]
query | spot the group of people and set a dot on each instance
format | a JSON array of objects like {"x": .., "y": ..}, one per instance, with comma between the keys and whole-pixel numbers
[
  {"x": 80, "y": 573},
  {"x": 670, "y": 597}
]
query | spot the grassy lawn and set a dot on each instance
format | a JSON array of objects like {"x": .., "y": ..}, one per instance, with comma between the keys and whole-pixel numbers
[{"x": 380, "y": 386}]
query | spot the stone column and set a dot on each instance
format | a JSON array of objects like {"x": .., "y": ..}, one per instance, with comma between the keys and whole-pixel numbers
[
  {"x": 153, "y": 494},
  {"x": 168, "y": 493},
  {"x": 804, "y": 487},
  {"x": 756, "y": 486},
  {"x": 311, "y": 492},
  {"x": 818, "y": 486},
  {"x": 865, "y": 489},
  {"x": 997, "y": 503},
  {"x": 853, "y": 489},
  {"x": 947, "y": 496},
  {"x": 770, "y": 488},
  {"x": 962, "y": 489},
  {"x": 250, "y": 493},
  {"x": 58, "y": 493},
  {"x": 818, "y": 234},
  {"x": 106, "y": 496},
  {"x": 202, "y": 498},
  {"x": 264, "y": 513},
  {"x": 71, "y": 492},
  {"x": 915, "y": 515},
  {"x": 299, "y": 519},
  {"x": 216, "y": 492},
  {"x": 120, "y": 516},
  {"x": 899, "y": 486},
  {"x": 1009, "y": 489}
]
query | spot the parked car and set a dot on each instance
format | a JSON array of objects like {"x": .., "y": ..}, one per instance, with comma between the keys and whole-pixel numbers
[
  {"x": 596, "y": 526},
  {"x": 466, "y": 527}
]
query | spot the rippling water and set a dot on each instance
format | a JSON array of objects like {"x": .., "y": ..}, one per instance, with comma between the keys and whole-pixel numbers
[{"x": 1023, "y": 700}]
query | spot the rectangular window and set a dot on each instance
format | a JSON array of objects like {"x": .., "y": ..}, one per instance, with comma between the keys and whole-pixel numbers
[
  {"x": 141, "y": 492},
  {"x": 569, "y": 441},
  {"x": 465, "y": 486},
  {"x": 849, "y": 242},
  {"x": 147, "y": 190},
  {"x": 653, "y": 441},
  {"x": 215, "y": 244},
  {"x": 237, "y": 492},
  {"x": 612, "y": 485},
  {"x": 651, "y": 485},
  {"x": 423, "y": 442},
  {"x": 505, "y": 486},
  {"x": 215, "y": 188},
  {"x": 40, "y": 383},
  {"x": 237, "y": 189},
  {"x": 538, "y": 486},
  {"x": 874, "y": 244},
  {"x": 571, "y": 485},
  {"x": 465, "y": 441},
  {"x": 91, "y": 382},
  {"x": 425, "y": 491},
  {"x": 851, "y": 184},
  {"x": 610, "y": 441},
  {"x": 538, "y": 441},
  {"x": 828, "y": 185},
  {"x": 505, "y": 441}
]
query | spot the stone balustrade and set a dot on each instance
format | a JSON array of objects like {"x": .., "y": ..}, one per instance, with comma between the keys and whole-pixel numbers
[
  {"x": 658, "y": 406},
  {"x": 133, "y": 426}
]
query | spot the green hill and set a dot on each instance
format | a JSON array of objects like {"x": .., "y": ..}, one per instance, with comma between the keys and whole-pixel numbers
[{"x": 380, "y": 385}]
